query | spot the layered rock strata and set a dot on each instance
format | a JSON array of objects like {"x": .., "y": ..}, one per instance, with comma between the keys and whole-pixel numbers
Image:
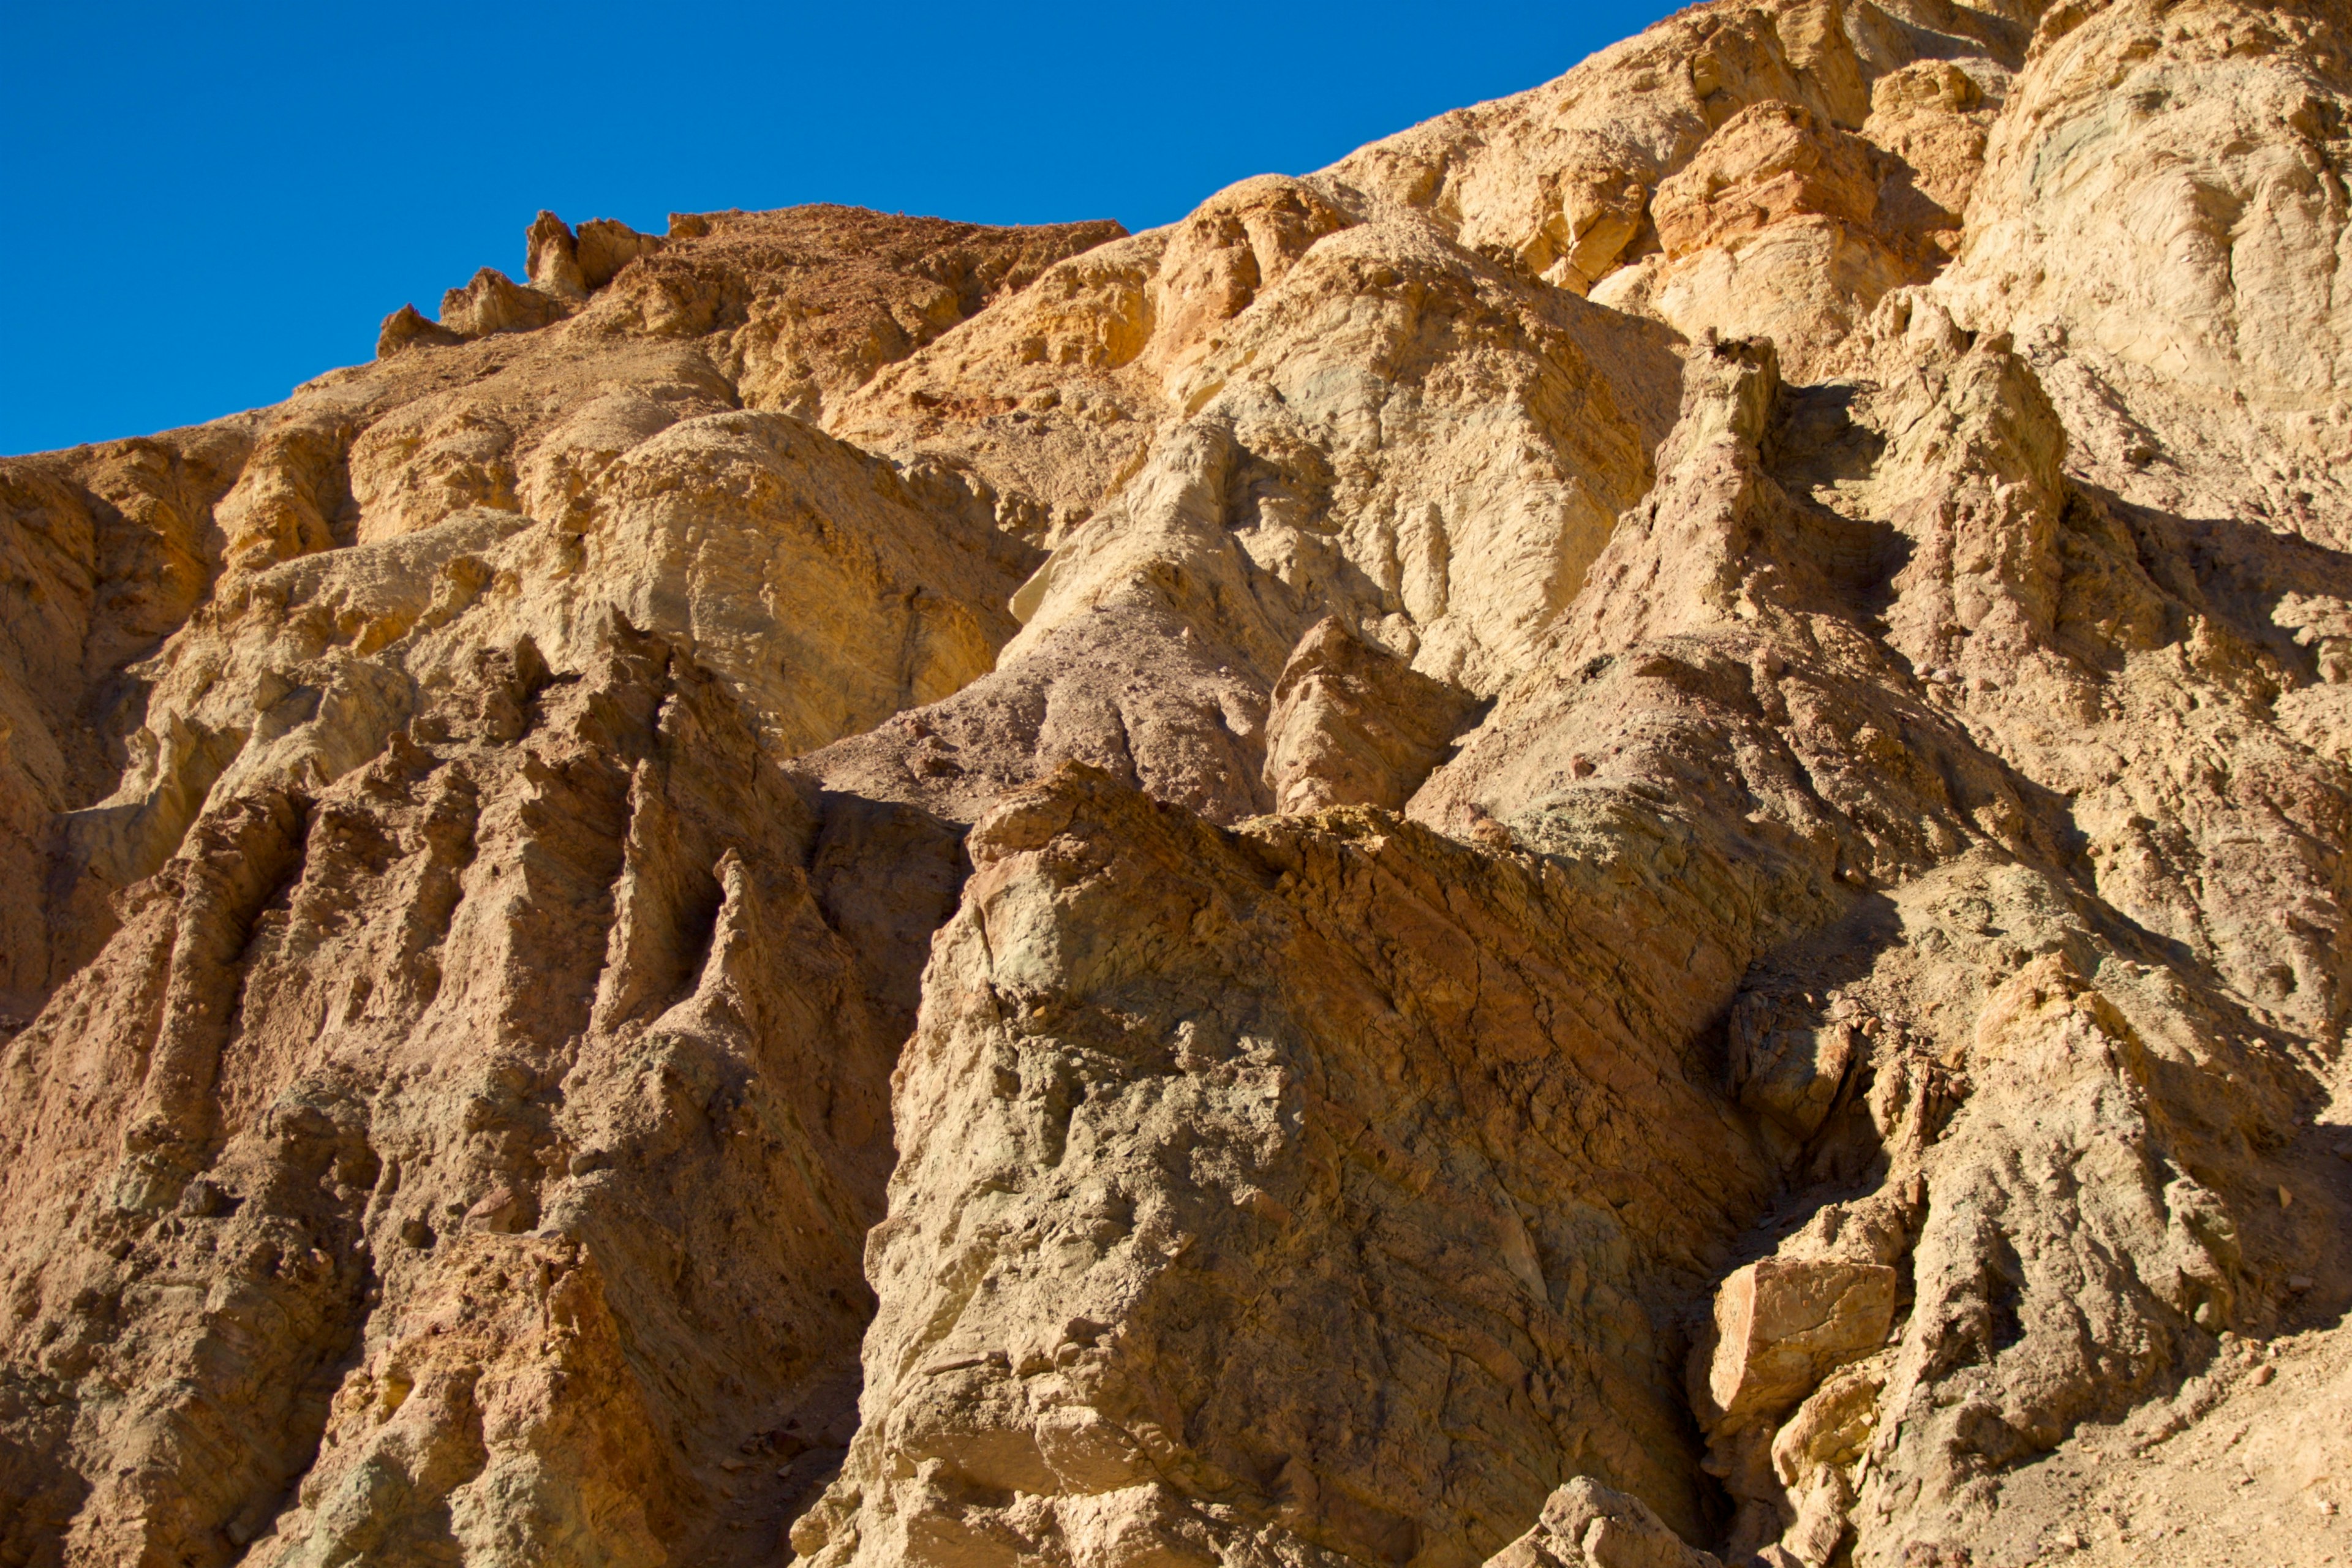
[{"x": 1615, "y": 837}]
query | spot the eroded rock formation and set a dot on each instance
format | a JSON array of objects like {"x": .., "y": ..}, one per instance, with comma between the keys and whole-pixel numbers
[{"x": 1614, "y": 840}]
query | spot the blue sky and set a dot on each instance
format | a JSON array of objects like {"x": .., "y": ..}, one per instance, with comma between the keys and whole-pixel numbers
[{"x": 209, "y": 204}]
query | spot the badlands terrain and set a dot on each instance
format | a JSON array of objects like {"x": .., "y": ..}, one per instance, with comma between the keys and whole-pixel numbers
[{"x": 1615, "y": 839}]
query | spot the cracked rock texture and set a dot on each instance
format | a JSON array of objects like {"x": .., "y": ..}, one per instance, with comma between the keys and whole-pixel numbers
[{"x": 1616, "y": 838}]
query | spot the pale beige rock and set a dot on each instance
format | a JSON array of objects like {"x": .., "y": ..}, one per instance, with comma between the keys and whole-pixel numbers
[
  {"x": 292, "y": 835},
  {"x": 1243, "y": 239},
  {"x": 430, "y": 908},
  {"x": 108, "y": 549},
  {"x": 1831, "y": 1427}
]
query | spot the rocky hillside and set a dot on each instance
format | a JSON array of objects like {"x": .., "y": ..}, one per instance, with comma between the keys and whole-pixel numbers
[{"x": 1616, "y": 838}]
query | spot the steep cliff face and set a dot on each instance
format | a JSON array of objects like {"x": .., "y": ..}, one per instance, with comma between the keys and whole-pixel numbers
[{"x": 1617, "y": 837}]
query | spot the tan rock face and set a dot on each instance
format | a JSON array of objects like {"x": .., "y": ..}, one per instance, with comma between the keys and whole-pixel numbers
[
  {"x": 1767, "y": 164},
  {"x": 1612, "y": 839},
  {"x": 1352, "y": 725},
  {"x": 1780, "y": 1324},
  {"x": 1372, "y": 1045},
  {"x": 1586, "y": 1525}
]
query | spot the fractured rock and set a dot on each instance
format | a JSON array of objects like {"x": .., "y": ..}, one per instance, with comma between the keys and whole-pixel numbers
[
  {"x": 1587, "y": 1525},
  {"x": 1780, "y": 1324},
  {"x": 1353, "y": 726}
]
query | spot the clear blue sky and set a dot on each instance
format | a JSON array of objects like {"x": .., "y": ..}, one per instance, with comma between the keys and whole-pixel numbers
[{"x": 207, "y": 204}]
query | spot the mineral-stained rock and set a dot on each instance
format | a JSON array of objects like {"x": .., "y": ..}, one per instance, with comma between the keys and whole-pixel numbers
[{"x": 1617, "y": 834}]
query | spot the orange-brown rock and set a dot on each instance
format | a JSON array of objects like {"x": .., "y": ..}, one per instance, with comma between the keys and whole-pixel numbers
[
  {"x": 1767, "y": 164},
  {"x": 1615, "y": 839}
]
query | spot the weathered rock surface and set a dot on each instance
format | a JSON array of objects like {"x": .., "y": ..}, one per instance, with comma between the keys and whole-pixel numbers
[
  {"x": 1247, "y": 1160},
  {"x": 1616, "y": 838},
  {"x": 1586, "y": 1525}
]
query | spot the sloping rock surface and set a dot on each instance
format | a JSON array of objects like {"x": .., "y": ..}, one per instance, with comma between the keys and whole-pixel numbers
[{"x": 1616, "y": 838}]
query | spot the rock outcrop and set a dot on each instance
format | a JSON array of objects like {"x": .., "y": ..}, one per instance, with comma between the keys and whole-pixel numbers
[{"x": 1616, "y": 838}]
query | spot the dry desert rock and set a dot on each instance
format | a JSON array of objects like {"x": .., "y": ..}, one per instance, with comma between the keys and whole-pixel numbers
[{"x": 1616, "y": 838}]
